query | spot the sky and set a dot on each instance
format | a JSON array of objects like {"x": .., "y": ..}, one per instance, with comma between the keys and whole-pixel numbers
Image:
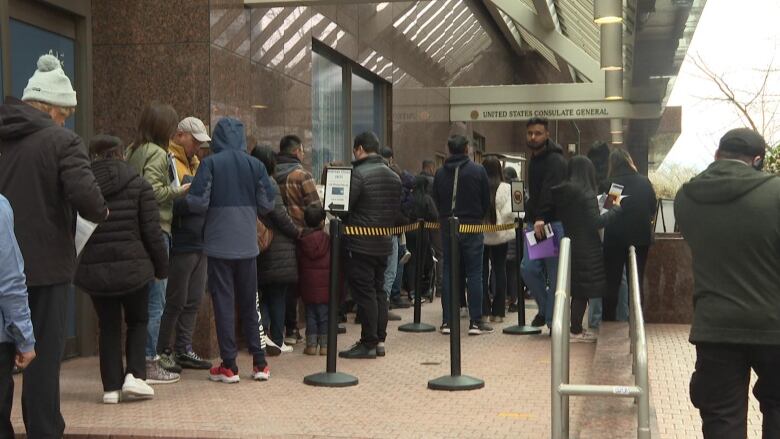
[{"x": 738, "y": 40}]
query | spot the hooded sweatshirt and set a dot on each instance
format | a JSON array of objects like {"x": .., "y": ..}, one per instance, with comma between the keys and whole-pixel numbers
[
  {"x": 730, "y": 217},
  {"x": 545, "y": 171},
  {"x": 233, "y": 189},
  {"x": 46, "y": 176},
  {"x": 473, "y": 197},
  {"x": 314, "y": 267}
]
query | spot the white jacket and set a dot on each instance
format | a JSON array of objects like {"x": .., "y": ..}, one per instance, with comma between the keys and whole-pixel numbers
[{"x": 504, "y": 215}]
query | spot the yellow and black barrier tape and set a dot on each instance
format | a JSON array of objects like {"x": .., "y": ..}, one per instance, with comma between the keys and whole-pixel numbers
[{"x": 390, "y": 231}]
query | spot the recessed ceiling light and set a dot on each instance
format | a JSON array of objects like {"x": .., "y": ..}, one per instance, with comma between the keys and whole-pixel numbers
[{"x": 259, "y": 107}]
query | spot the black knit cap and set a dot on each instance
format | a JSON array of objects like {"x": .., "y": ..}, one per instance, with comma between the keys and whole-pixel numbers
[
  {"x": 743, "y": 141},
  {"x": 103, "y": 143}
]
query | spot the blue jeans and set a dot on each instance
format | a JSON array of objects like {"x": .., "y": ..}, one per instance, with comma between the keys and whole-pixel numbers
[
  {"x": 316, "y": 322},
  {"x": 395, "y": 291},
  {"x": 595, "y": 306},
  {"x": 392, "y": 268},
  {"x": 156, "y": 307},
  {"x": 540, "y": 276},
  {"x": 274, "y": 303},
  {"x": 471, "y": 250}
]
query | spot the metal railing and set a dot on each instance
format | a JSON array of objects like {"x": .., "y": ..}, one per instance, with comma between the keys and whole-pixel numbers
[{"x": 561, "y": 388}]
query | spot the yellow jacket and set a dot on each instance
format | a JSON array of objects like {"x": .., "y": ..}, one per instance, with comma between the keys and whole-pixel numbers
[{"x": 184, "y": 166}]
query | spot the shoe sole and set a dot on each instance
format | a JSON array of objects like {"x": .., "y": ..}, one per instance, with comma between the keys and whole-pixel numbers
[
  {"x": 380, "y": 354},
  {"x": 194, "y": 366},
  {"x": 224, "y": 379},
  {"x": 151, "y": 381},
  {"x": 134, "y": 393},
  {"x": 445, "y": 331},
  {"x": 479, "y": 332},
  {"x": 261, "y": 377}
]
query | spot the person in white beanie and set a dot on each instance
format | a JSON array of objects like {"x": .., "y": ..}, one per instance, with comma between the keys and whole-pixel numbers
[{"x": 45, "y": 174}]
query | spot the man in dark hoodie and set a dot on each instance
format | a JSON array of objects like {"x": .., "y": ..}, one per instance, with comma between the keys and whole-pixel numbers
[
  {"x": 546, "y": 169},
  {"x": 729, "y": 216},
  {"x": 374, "y": 201},
  {"x": 45, "y": 174},
  {"x": 233, "y": 189},
  {"x": 298, "y": 191},
  {"x": 470, "y": 205}
]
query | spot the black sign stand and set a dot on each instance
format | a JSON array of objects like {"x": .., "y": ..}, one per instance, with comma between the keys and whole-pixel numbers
[
  {"x": 455, "y": 381},
  {"x": 416, "y": 326},
  {"x": 332, "y": 378}
]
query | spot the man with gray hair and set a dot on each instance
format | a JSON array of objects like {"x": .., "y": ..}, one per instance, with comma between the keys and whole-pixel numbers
[{"x": 45, "y": 174}]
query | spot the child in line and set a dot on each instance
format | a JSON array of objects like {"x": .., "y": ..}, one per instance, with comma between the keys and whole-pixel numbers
[{"x": 314, "y": 278}]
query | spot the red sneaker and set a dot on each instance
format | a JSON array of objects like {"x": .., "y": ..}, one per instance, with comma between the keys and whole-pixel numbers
[
  {"x": 223, "y": 374},
  {"x": 261, "y": 373}
]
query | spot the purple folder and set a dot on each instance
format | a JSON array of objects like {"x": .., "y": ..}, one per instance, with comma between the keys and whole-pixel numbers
[{"x": 542, "y": 250}]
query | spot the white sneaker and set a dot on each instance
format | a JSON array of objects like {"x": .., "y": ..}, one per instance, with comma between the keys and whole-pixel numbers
[
  {"x": 583, "y": 337},
  {"x": 136, "y": 387},
  {"x": 285, "y": 348},
  {"x": 111, "y": 397}
]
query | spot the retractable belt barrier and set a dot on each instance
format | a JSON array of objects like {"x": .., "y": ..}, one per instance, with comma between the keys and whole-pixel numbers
[{"x": 390, "y": 231}]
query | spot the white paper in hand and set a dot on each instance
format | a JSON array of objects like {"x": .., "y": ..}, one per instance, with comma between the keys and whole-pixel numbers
[{"x": 84, "y": 230}]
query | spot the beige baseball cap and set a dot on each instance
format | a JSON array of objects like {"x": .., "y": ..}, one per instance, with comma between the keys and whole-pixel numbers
[{"x": 195, "y": 126}]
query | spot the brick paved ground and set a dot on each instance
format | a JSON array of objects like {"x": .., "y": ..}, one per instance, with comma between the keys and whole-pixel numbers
[
  {"x": 672, "y": 360},
  {"x": 391, "y": 401}
]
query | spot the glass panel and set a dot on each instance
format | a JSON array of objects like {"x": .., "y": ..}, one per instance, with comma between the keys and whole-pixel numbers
[
  {"x": 362, "y": 106},
  {"x": 327, "y": 114},
  {"x": 28, "y": 43}
]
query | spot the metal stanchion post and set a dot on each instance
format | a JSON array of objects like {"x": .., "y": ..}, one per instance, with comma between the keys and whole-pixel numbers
[
  {"x": 331, "y": 378},
  {"x": 416, "y": 326},
  {"x": 520, "y": 328},
  {"x": 455, "y": 381}
]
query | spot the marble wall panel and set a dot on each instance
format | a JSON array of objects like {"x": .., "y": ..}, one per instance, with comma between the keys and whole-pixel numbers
[
  {"x": 230, "y": 85},
  {"x": 668, "y": 285},
  {"x": 128, "y": 77},
  {"x": 268, "y": 90},
  {"x": 149, "y": 21}
]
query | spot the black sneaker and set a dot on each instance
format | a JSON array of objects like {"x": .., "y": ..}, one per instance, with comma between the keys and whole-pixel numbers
[
  {"x": 479, "y": 328},
  {"x": 444, "y": 328},
  {"x": 393, "y": 317},
  {"x": 359, "y": 351},
  {"x": 538, "y": 321},
  {"x": 191, "y": 360},
  {"x": 399, "y": 302},
  {"x": 168, "y": 362},
  {"x": 512, "y": 307}
]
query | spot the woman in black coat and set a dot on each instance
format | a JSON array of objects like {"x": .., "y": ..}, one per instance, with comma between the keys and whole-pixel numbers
[
  {"x": 123, "y": 255},
  {"x": 422, "y": 207},
  {"x": 577, "y": 208},
  {"x": 277, "y": 266},
  {"x": 634, "y": 227}
]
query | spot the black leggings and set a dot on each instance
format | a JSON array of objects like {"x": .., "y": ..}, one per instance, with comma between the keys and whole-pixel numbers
[
  {"x": 615, "y": 261},
  {"x": 578, "y": 307},
  {"x": 494, "y": 257}
]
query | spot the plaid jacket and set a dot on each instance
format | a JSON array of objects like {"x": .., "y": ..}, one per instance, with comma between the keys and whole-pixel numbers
[{"x": 297, "y": 187}]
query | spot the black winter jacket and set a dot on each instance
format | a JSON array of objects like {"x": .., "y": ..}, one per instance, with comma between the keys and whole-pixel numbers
[
  {"x": 545, "y": 171},
  {"x": 127, "y": 250},
  {"x": 186, "y": 228},
  {"x": 473, "y": 198},
  {"x": 374, "y": 201},
  {"x": 278, "y": 263},
  {"x": 578, "y": 210},
  {"x": 45, "y": 174},
  {"x": 635, "y": 226}
]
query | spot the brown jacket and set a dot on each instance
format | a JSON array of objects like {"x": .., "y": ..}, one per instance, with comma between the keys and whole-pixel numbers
[{"x": 297, "y": 187}]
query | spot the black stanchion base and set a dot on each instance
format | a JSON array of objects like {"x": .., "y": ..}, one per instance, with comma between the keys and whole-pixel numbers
[
  {"x": 335, "y": 379},
  {"x": 522, "y": 330},
  {"x": 461, "y": 382},
  {"x": 417, "y": 327}
]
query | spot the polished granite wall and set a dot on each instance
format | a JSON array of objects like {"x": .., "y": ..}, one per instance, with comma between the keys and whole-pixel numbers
[{"x": 668, "y": 285}]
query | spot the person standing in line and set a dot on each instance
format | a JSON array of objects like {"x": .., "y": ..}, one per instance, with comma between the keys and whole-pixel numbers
[
  {"x": 314, "y": 279},
  {"x": 233, "y": 190},
  {"x": 577, "y": 207},
  {"x": 546, "y": 169},
  {"x": 45, "y": 175},
  {"x": 374, "y": 201},
  {"x": 461, "y": 190},
  {"x": 394, "y": 274},
  {"x": 277, "y": 267},
  {"x": 513, "y": 290},
  {"x": 148, "y": 155},
  {"x": 17, "y": 341},
  {"x": 497, "y": 243},
  {"x": 187, "y": 282},
  {"x": 729, "y": 216},
  {"x": 633, "y": 228},
  {"x": 122, "y": 256},
  {"x": 423, "y": 207},
  {"x": 298, "y": 190}
]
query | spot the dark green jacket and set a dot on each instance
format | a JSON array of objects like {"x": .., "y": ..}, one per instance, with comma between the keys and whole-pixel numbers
[{"x": 730, "y": 217}]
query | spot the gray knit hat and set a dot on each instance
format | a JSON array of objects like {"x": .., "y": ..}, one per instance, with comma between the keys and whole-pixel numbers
[{"x": 49, "y": 84}]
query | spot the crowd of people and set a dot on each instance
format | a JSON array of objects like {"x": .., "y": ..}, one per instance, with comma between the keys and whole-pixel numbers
[{"x": 179, "y": 212}]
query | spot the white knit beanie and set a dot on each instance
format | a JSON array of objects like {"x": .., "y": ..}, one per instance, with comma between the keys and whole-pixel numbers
[{"x": 49, "y": 84}]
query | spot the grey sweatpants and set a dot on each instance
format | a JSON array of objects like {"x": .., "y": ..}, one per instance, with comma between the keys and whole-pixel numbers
[{"x": 186, "y": 285}]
